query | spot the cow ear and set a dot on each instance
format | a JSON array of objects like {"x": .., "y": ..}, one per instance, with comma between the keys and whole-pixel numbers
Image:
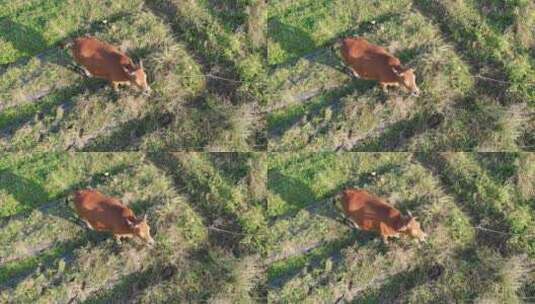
[
  {"x": 129, "y": 69},
  {"x": 130, "y": 223},
  {"x": 397, "y": 70}
]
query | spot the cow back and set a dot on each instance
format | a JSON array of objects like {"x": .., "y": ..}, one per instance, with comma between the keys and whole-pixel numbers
[
  {"x": 369, "y": 211},
  {"x": 101, "y": 59},
  {"x": 369, "y": 61},
  {"x": 102, "y": 212}
]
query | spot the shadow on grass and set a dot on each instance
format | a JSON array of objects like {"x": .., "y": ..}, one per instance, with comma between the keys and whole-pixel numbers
[
  {"x": 207, "y": 118},
  {"x": 210, "y": 212},
  {"x": 464, "y": 191},
  {"x": 231, "y": 14},
  {"x": 132, "y": 285},
  {"x": 332, "y": 99},
  {"x": 14, "y": 118},
  {"x": 292, "y": 40},
  {"x": 127, "y": 135},
  {"x": 500, "y": 14},
  {"x": 399, "y": 284},
  {"x": 502, "y": 166},
  {"x": 398, "y": 134},
  {"x": 31, "y": 196},
  {"x": 194, "y": 39},
  {"x": 23, "y": 38},
  {"x": 280, "y": 275},
  {"x": 233, "y": 166},
  {"x": 437, "y": 12},
  {"x": 14, "y": 272},
  {"x": 292, "y": 191},
  {"x": 215, "y": 273}
]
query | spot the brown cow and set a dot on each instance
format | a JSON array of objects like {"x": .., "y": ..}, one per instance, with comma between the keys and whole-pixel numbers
[
  {"x": 102, "y": 213},
  {"x": 368, "y": 212},
  {"x": 105, "y": 61},
  {"x": 369, "y": 61}
]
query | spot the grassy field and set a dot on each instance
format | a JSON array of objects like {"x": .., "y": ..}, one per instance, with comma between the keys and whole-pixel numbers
[
  {"x": 48, "y": 256},
  {"x": 474, "y": 61},
  {"x": 315, "y": 258},
  {"x": 205, "y": 62},
  {"x": 256, "y": 227}
]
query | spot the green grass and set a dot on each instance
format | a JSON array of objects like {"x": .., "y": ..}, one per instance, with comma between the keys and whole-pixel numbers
[
  {"x": 31, "y": 27},
  {"x": 283, "y": 238},
  {"x": 48, "y": 255},
  {"x": 316, "y": 106},
  {"x": 46, "y": 106},
  {"x": 315, "y": 258}
]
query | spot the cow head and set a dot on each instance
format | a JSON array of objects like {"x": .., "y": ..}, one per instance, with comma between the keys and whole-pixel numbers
[
  {"x": 141, "y": 229},
  {"x": 412, "y": 228},
  {"x": 137, "y": 76},
  {"x": 407, "y": 78}
]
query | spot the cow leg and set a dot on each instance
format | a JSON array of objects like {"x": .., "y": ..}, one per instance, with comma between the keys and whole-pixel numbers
[
  {"x": 353, "y": 224},
  {"x": 115, "y": 86},
  {"x": 88, "y": 225},
  {"x": 384, "y": 86},
  {"x": 117, "y": 238},
  {"x": 352, "y": 72},
  {"x": 86, "y": 72},
  {"x": 383, "y": 229}
]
